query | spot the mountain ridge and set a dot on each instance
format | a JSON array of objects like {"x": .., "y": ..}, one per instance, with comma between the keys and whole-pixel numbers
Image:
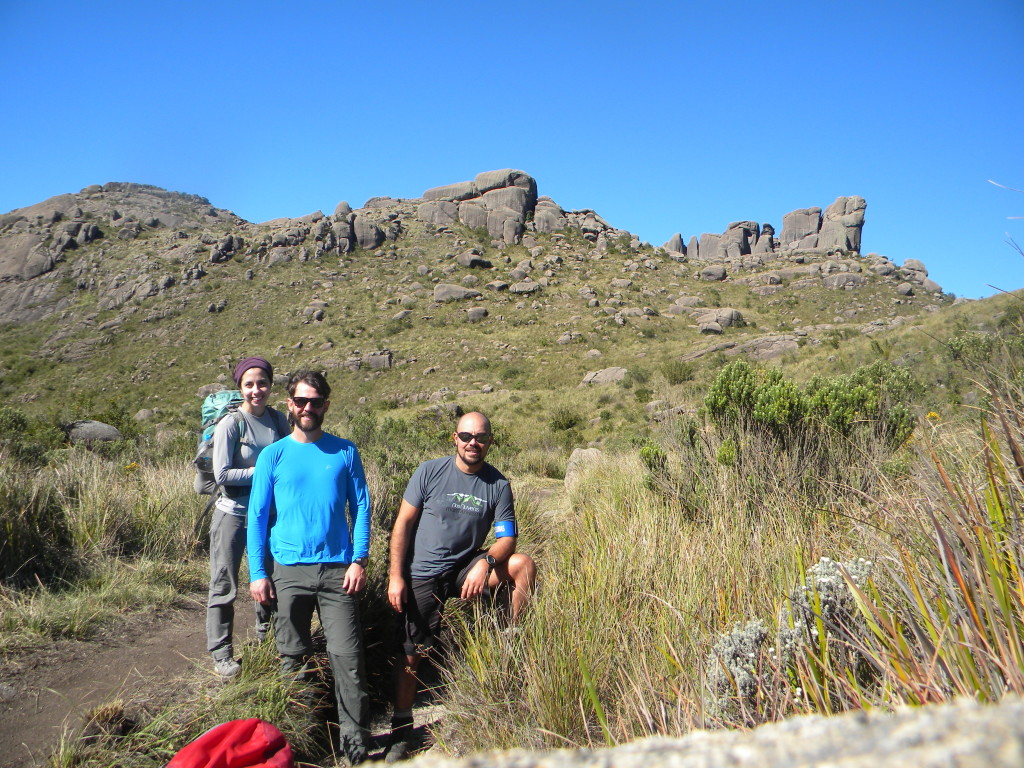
[{"x": 474, "y": 286}]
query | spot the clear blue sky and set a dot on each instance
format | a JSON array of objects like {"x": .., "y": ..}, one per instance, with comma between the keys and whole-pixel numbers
[{"x": 663, "y": 116}]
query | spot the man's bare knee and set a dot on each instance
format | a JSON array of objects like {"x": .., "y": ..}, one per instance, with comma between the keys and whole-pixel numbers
[{"x": 522, "y": 568}]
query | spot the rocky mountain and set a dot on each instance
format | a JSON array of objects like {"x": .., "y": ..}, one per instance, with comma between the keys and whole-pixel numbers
[
  {"x": 42, "y": 244},
  {"x": 122, "y": 271}
]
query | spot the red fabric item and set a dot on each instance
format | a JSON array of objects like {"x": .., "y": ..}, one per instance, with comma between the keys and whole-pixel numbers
[{"x": 248, "y": 743}]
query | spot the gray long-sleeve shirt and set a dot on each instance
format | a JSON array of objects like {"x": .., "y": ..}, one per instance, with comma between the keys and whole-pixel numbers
[{"x": 235, "y": 448}]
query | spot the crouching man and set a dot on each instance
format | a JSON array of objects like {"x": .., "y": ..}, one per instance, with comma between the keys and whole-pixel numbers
[{"x": 446, "y": 513}]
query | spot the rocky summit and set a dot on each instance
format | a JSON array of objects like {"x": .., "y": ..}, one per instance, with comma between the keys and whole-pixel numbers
[{"x": 68, "y": 236}]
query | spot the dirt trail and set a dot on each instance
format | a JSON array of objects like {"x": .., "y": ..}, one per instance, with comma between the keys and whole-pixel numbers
[{"x": 45, "y": 693}]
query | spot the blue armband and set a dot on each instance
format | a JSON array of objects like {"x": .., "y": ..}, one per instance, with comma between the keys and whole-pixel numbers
[{"x": 504, "y": 528}]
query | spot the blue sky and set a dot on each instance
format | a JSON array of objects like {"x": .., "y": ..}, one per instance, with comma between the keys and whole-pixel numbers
[{"x": 663, "y": 117}]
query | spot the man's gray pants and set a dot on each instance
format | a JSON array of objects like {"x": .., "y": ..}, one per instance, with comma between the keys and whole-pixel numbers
[
  {"x": 301, "y": 589},
  {"x": 227, "y": 543}
]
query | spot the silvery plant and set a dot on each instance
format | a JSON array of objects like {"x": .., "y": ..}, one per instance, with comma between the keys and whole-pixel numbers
[
  {"x": 825, "y": 595},
  {"x": 745, "y": 674}
]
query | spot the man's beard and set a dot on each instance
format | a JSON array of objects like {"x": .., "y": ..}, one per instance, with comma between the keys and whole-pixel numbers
[
  {"x": 474, "y": 460},
  {"x": 316, "y": 418}
]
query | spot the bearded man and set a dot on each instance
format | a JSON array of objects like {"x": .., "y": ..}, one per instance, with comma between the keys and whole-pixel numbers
[
  {"x": 448, "y": 509},
  {"x": 301, "y": 487}
]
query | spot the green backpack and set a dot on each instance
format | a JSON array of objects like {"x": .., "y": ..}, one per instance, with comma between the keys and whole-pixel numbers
[{"x": 215, "y": 407}]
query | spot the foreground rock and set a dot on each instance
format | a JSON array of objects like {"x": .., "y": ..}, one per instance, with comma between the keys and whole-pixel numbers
[{"x": 966, "y": 735}]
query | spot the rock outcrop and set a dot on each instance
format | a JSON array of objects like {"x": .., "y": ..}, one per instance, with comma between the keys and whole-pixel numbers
[
  {"x": 36, "y": 239},
  {"x": 806, "y": 230},
  {"x": 167, "y": 241},
  {"x": 496, "y": 200},
  {"x": 966, "y": 735}
]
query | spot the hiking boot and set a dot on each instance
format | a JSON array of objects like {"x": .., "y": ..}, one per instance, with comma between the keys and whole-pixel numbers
[
  {"x": 354, "y": 749},
  {"x": 402, "y": 743},
  {"x": 398, "y": 751},
  {"x": 226, "y": 667},
  {"x": 296, "y": 669}
]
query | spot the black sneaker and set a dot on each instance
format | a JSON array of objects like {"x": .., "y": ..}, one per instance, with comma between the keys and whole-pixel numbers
[{"x": 402, "y": 743}]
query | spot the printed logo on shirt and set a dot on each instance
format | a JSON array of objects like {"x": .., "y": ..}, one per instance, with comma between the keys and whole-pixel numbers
[{"x": 466, "y": 503}]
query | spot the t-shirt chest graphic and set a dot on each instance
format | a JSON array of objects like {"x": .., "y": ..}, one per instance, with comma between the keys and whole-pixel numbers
[{"x": 465, "y": 504}]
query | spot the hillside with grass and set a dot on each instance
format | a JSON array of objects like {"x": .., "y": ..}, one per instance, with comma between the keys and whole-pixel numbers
[
  {"x": 756, "y": 484},
  {"x": 171, "y": 290}
]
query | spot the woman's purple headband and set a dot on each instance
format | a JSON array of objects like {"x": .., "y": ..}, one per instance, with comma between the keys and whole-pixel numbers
[{"x": 253, "y": 362}]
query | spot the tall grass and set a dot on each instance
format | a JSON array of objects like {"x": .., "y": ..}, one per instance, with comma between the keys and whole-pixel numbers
[
  {"x": 956, "y": 627},
  {"x": 642, "y": 623},
  {"x": 634, "y": 587},
  {"x": 88, "y": 536}
]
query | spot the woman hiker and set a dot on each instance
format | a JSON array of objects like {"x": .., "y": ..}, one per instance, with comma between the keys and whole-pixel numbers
[{"x": 238, "y": 440}]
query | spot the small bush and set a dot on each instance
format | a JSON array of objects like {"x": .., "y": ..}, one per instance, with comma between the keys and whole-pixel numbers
[
  {"x": 736, "y": 674},
  {"x": 653, "y": 456},
  {"x": 564, "y": 419},
  {"x": 874, "y": 397},
  {"x": 27, "y": 440},
  {"x": 822, "y": 620},
  {"x": 678, "y": 372},
  {"x": 727, "y": 453}
]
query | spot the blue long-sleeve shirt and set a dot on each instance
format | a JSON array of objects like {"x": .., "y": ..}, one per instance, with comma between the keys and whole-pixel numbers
[{"x": 300, "y": 492}]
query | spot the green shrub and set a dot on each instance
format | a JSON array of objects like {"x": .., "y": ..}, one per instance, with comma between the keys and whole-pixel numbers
[
  {"x": 637, "y": 376},
  {"x": 727, "y": 453},
  {"x": 653, "y": 456},
  {"x": 564, "y": 419},
  {"x": 678, "y": 371},
  {"x": 732, "y": 394},
  {"x": 27, "y": 440},
  {"x": 873, "y": 397}
]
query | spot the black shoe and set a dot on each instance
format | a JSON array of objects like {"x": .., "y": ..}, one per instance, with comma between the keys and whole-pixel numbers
[{"x": 402, "y": 743}]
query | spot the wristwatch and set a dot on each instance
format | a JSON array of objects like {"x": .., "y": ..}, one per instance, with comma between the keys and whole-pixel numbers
[
  {"x": 491, "y": 562},
  {"x": 361, "y": 561}
]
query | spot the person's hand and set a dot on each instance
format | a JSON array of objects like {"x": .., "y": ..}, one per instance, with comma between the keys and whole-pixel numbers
[
  {"x": 396, "y": 592},
  {"x": 355, "y": 579},
  {"x": 262, "y": 591},
  {"x": 476, "y": 580}
]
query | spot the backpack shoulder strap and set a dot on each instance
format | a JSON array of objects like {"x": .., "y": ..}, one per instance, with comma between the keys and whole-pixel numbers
[
  {"x": 283, "y": 427},
  {"x": 239, "y": 419}
]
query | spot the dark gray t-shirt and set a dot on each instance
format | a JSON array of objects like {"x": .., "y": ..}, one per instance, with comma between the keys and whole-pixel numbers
[{"x": 457, "y": 511}]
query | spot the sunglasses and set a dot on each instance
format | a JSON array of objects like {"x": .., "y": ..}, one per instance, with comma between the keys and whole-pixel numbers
[
  {"x": 316, "y": 402},
  {"x": 481, "y": 437}
]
